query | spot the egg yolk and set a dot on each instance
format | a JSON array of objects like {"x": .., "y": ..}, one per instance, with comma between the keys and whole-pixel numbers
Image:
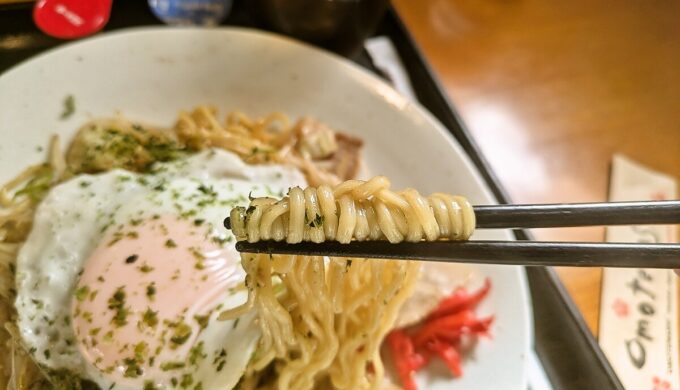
[{"x": 146, "y": 293}]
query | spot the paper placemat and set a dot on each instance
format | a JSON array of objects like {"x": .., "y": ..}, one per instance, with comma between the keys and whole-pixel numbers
[{"x": 639, "y": 309}]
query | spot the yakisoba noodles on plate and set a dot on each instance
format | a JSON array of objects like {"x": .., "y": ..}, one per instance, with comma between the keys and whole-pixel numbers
[{"x": 96, "y": 243}]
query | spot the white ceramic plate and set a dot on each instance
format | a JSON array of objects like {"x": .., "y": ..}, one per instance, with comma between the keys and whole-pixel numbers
[{"x": 150, "y": 74}]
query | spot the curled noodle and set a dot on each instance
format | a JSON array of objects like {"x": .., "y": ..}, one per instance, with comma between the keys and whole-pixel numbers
[
  {"x": 323, "y": 322},
  {"x": 354, "y": 210}
]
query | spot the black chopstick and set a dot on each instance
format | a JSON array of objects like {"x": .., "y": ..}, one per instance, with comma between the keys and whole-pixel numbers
[
  {"x": 577, "y": 214},
  {"x": 520, "y": 252},
  {"x": 490, "y": 252},
  {"x": 573, "y": 214}
]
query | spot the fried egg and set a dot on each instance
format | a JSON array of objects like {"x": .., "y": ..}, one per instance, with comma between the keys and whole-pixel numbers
[{"x": 123, "y": 275}]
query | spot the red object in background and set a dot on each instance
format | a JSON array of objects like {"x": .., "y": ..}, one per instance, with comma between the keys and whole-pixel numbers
[
  {"x": 69, "y": 19},
  {"x": 459, "y": 300},
  {"x": 439, "y": 335},
  {"x": 406, "y": 360}
]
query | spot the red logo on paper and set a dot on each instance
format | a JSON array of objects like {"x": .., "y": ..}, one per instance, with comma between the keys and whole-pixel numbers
[
  {"x": 69, "y": 19},
  {"x": 660, "y": 384},
  {"x": 620, "y": 308},
  {"x": 658, "y": 196}
]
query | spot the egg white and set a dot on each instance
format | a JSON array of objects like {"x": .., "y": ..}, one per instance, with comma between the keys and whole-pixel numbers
[{"x": 71, "y": 221}]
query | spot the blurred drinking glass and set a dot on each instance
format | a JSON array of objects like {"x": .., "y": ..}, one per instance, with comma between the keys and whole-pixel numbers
[
  {"x": 338, "y": 25},
  {"x": 190, "y": 12}
]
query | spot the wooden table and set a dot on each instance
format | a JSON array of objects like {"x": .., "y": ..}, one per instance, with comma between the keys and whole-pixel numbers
[{"x": 551, "y": 90}]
